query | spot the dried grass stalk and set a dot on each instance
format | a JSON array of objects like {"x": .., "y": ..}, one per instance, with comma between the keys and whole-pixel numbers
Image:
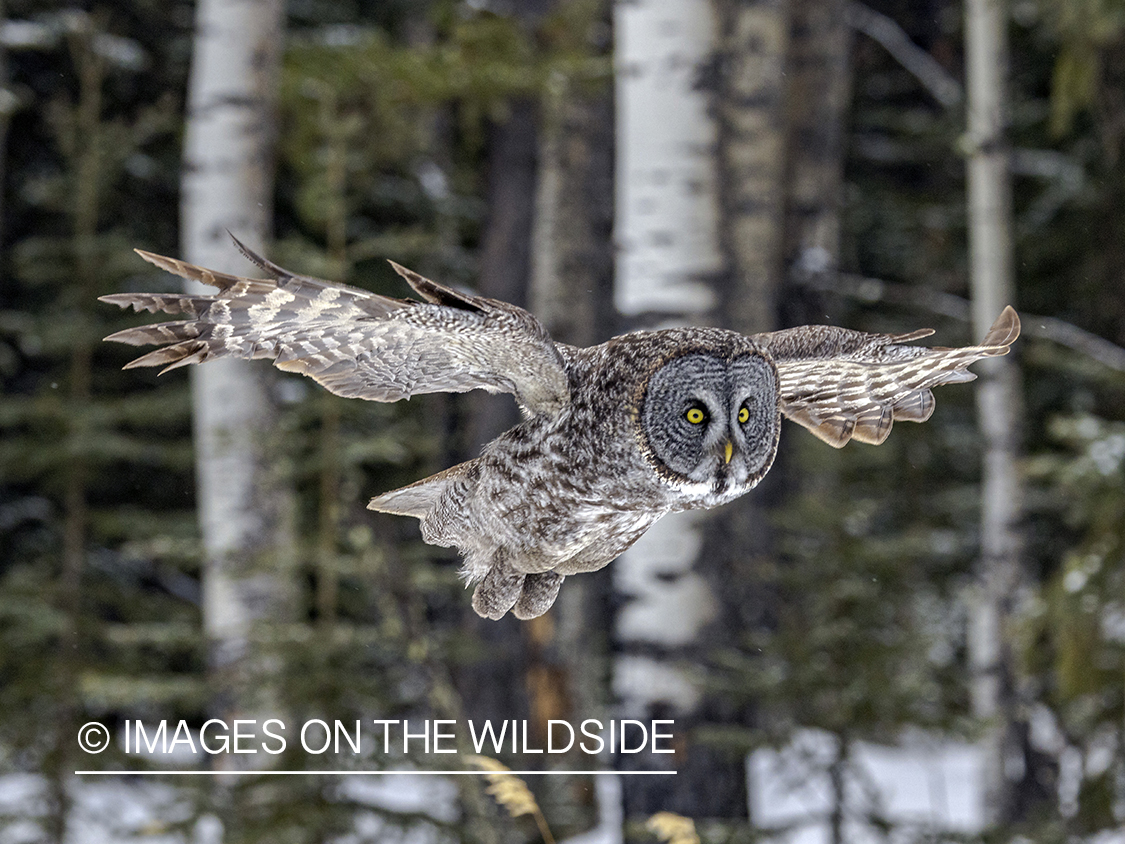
[
  {"x": 512, "y": 793},
  {"x": 673, "y": 828}
]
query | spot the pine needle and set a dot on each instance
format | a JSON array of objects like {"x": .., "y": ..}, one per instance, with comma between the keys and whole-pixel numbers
[
  {"x": 512, "y": 793},
  {"x": 673, "y": 828}
]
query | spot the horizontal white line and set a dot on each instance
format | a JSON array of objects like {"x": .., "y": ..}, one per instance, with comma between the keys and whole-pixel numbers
[{"x": 366, "y": 773}]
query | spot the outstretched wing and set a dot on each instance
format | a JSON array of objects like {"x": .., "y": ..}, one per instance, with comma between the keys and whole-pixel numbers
[
  {"x": 845, "y": 385},
  {"x": 357, "y": 344}
]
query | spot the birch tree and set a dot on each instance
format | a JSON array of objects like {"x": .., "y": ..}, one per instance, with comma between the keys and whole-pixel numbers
[
  {"x": 228, "y": 187},
  {"x": 666, "y": 233},
  {"x": 998, "y": 398},
  {"x": 700, "y": 204}
]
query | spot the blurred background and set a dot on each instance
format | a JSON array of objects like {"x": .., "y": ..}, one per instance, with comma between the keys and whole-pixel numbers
[{"x": 923, "y": 641}]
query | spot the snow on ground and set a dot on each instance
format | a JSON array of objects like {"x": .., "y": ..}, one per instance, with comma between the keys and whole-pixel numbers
[{"x": 922, "y": 783}]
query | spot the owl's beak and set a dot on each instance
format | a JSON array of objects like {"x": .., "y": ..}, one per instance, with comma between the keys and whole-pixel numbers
[{"x": 728, "y": 451}]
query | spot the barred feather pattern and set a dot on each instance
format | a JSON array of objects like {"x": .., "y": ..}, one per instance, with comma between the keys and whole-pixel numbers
[
  {"x": 355, "y": 343},
  {"x": 844, "y": 385},
  {"x": 615, "y": 436}
]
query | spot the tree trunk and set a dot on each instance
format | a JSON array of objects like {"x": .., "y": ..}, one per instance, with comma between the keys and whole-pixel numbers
[
  {"x": 998, "y": 399},
  {"x": 752, "y": 101},
  {"x": 505, "y": 261},
  {"x": 668, "y": 267},
  {"x": 228, "y": 186},
  {"x": 785, "y": 99},
  {"x": 817, "y": 99},
  {"x": 85, "y": 165},
  {"x": 572, "y": 293},
  {"x": 666, "y": 206}
]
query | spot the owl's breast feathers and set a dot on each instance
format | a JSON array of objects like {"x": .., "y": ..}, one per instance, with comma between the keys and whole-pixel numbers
[{"x": 567, "y": 493}]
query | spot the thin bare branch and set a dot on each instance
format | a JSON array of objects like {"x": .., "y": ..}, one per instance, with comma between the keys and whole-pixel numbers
[
  {"x": 873, "y": 290},
  {"x": 920, "y": 64}
]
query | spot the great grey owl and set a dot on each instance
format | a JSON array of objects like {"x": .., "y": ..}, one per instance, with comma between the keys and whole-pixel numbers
[{"x": 613, "y": 436}]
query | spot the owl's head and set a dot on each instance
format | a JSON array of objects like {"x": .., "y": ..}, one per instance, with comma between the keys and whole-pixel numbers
[{"x": 711, "y": 421}]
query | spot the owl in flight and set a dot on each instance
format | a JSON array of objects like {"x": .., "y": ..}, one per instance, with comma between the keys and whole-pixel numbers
[{"x": 613, "y": 436}]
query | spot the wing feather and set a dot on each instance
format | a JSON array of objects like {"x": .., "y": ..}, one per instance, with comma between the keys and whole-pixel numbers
[
  {"x": 355, "y": 343},
  {"x": 844, "y": 385}
]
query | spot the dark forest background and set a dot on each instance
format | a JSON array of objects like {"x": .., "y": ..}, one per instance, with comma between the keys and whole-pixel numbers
[{"x": 425, "y": 132}]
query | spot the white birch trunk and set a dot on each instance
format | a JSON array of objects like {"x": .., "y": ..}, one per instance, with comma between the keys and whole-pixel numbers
[
  {"x": 667, "y": 213},
  {"x": 228, "y": 186},
  {"x": 668, "y": 258},
  {"x": 666, "y": 232},
  {"x": 701, "y": 169},
  {"x": 998, "y": 399}
]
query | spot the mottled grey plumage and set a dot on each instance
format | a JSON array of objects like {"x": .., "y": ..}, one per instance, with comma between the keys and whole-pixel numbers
[{"x": 613, "y": 437}]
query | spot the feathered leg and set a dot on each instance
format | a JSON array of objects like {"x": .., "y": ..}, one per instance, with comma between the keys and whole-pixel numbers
[
  {"x": 539, "y": 593},
  {"x": 499, "y": 590}
]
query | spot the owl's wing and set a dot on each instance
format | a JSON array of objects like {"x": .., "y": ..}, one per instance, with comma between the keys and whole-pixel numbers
[
  {"x": 355, "y": 343},
  {"x": 845, "y": 385}
]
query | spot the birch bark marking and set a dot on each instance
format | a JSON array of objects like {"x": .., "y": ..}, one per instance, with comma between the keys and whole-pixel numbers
[
  {"x": 667, "y": 216},
  {"x": 998, "y": 398},
  {"x": 228, "y": 185}
]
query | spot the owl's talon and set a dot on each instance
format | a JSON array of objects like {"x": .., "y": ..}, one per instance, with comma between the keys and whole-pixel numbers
[
  {"x": 538, "y": 595},
  {"x": 498, "y": 592}
]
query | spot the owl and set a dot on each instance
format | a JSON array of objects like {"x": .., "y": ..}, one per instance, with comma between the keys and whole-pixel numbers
[{"x": 613, "y": 436}]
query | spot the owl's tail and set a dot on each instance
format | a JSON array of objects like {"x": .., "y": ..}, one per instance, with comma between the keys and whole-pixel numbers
[
  {"x": 435, "y": 501},
  {"x": 440, "y": 502}
]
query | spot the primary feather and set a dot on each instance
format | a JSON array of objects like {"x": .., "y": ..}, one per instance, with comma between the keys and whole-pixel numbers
[
  {"x": 355, "y": 343},
  {"x": 845, "y": 385}
]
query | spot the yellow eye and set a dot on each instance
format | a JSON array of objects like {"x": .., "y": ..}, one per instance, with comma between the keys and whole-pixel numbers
[
  {"x": 695, "y": 416},
  {"x": 743, "y": 415}
]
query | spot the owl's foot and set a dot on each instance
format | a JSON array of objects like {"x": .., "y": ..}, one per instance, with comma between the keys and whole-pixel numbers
[
  {"x": 539, "y": 593},
  {"x": 499, "y": 591}
]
